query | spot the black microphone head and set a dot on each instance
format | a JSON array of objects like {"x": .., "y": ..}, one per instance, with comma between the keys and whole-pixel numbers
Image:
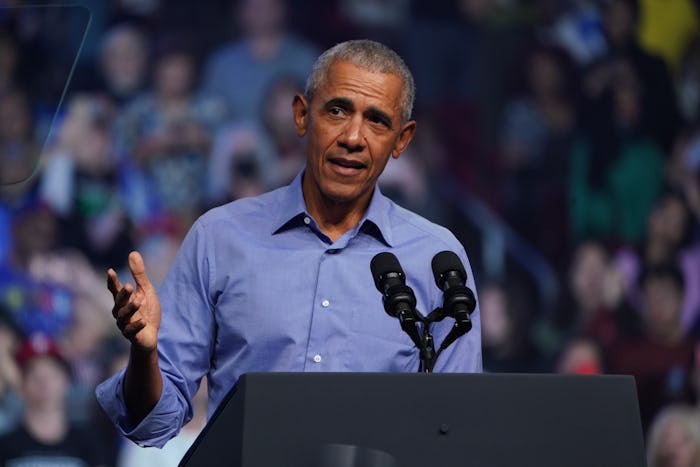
[
  {"x": 383, "y": 265},
  {"x": 447, "y": 261}
]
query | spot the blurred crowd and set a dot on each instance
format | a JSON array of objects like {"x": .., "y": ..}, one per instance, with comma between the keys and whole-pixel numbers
[{"x": 576, "y": 122}]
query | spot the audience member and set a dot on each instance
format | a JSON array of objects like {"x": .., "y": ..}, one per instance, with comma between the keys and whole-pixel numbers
[
  {"x": 249, "y": 157},
  {"x": 81, "y": 183},
  {"x": 121, "y": 67},
  {"x": 242, "y": 71},
  {"x": 537, "y": 135},
  {"x": 36, "y": 306},
  {"x": 277, "y": 121},
  {"x": 166, "y": 134},
  {"x": 507, "y": 345},
  {"x": 45, "y": 435},
  {"x": 238, "y": 164},
  {"x": 658, "y": 115},
  {"x": 19, "y": 150},
  {"x": 667, "y": 239},
  {"x": 80, "y": 347},
  {"x": 581, "y": 356},
  {"x": 88, "y": 325},
  {"x": 415, "y": 180},
  {"x": 448, "y": 71},
  {"x": 616, "y": 169},
  {"x": 661, "y": 359},
  {"x": 674, "y": 438},
  {"x": 596, "y": 305}
]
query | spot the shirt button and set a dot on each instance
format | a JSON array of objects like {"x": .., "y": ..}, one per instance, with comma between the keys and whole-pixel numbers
[
  {"x": 317, "y": 358},
  {"x": 325, "y": 303},
  {"x": 307, "y": 220}
]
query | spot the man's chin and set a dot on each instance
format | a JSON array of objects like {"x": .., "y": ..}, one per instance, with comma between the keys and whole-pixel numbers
[
  {"x": 343, "y": 195},
  {"x": 340, "y": 192},
  {"x": 340, "y": 198}
]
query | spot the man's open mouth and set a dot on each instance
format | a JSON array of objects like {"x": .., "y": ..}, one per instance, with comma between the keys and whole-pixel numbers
[{"x": 348, "y": 163}]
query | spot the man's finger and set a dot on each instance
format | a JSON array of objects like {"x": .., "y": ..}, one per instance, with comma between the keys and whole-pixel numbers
[
  {"x": 131, "y": 329},
  {"x": 113, "y": 283},
  {"x": 122, "y": 297},
  {"x": 138, "y": 270},
  {"x": 124, "y": 313}
]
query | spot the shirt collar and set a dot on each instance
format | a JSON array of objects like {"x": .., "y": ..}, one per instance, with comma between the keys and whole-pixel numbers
[
  {"x": 292, "y": 210},
  {"x": 291, "y": 206}
]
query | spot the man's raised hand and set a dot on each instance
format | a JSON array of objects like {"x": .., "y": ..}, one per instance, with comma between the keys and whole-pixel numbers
[{"x": 136, "y": 310}]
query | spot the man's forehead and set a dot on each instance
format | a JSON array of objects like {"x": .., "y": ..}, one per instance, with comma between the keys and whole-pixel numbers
[
  {"x": 347, "y": 81},
  {"x": 342, "y": 68}
]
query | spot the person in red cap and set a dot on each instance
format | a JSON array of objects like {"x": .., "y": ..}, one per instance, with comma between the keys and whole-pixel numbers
[{"x": 45, "y": 435}]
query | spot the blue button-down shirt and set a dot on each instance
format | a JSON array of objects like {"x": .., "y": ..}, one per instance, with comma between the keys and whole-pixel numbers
[{"x": 257, "y": 287}]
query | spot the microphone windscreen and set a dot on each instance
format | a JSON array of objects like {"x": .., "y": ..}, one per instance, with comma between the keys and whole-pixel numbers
[
  {"x": 447, "y": 261},
  {"x": 383, "y": 264}
]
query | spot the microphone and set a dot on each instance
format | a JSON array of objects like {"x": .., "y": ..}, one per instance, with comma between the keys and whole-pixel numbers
[
  {"x": 398, "y": 298},
  {"x": 458, "y": 299}
]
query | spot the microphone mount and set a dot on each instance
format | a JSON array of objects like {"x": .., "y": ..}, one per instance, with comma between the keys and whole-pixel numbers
[{"x": 400, "y": 302}]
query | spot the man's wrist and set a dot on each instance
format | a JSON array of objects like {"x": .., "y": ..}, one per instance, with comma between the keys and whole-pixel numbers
[{"x": 141, "y": 356}]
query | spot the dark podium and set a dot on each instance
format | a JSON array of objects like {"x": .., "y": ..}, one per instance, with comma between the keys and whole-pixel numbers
[{"x": 426, "y": 420}]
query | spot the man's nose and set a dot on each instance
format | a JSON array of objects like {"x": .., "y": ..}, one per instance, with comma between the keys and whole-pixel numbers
[{"x": 352, "y": 137}]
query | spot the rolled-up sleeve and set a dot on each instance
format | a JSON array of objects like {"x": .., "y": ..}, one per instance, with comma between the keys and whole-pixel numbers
[{"x": 161, "y": 424}]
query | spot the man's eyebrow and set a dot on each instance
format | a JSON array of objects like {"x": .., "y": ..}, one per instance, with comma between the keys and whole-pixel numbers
[
  {"x": 372, "y": 111},
  {"x": 339, "y": 102},
  {"x": 381, "y": 115}
]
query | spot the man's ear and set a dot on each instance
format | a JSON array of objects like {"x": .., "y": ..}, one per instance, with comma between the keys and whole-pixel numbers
[
  {"x": 300, "y": 106},
  {"x": 405, "y": 137}
]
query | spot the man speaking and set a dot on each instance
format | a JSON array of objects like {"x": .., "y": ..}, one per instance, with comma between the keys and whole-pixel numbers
[{"x": 282, "y": 282}]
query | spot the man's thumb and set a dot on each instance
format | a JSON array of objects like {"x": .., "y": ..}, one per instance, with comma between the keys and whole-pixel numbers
[{"x": 138, "y": 270}]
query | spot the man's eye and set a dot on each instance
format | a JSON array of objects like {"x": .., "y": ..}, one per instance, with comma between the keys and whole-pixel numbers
[
  {"x": 335, "y": 111},
  {"x": 378, "y": 121}
]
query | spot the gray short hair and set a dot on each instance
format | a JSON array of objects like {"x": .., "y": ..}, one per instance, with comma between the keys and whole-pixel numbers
[
  {"x": 677, "y": 412},
  {"x": 369, "y": 55}
]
